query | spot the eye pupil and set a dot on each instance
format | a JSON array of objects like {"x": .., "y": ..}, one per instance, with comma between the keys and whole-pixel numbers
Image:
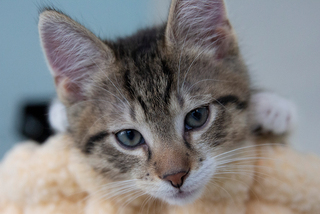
[
  {"x": 130, "y": 135},
  {"x": 196, "y": 114}
]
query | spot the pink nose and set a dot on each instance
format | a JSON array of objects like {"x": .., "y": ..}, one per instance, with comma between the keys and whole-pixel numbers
[{"x": 176, "y": 179}]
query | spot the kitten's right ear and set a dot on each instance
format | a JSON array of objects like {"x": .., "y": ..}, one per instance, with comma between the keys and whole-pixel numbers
[
  {"x": 73, "y": 54},
  {"x": 202, "y": 26}
]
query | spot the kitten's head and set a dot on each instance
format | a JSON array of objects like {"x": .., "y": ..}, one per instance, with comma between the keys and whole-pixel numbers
[{"x": 158, "y": 107}]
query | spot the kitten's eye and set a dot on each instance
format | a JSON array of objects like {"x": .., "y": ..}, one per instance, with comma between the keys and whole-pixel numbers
[
  {"x": 196, "y": 118},
  {"x": 130, "y": 138}
]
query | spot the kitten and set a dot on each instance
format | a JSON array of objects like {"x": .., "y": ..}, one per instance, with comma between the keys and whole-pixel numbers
[{"x": 159, "y": 108}]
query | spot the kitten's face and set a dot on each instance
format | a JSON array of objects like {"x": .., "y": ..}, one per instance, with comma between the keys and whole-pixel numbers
[{"x": 157, "y": 108}]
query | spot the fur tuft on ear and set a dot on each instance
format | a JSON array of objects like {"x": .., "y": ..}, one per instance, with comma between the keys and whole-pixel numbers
[
  {"x": 200, "y": 25},
  {"x": 73, "y": 53}
]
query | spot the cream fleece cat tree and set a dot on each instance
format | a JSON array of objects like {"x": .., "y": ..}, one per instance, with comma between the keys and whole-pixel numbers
[{"x": 52, "y": 179}]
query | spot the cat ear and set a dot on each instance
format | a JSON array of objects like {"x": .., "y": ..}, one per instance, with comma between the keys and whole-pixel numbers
[
  {"x": 200, "y": 25},
  {"x": 73, "y": 54}
]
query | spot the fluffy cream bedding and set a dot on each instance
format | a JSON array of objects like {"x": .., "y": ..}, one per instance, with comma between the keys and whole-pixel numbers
[{"x": 52, "y": 179}]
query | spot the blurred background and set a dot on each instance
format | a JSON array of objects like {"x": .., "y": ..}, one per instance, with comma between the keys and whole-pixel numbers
[{"x": 280, "y": 41}]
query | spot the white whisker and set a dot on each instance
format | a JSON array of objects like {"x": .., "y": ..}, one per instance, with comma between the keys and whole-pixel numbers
[
  {"x": 249, "y": 188},
  {"x": 242, "y": 159},
  {"x": 245, "y": 147},
  {"x": 217, "y": 185}
]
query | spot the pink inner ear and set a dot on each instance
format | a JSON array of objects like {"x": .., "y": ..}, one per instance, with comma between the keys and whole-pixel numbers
[
  {"x": 196, "y": 21},
  {"x": 71, "y": 54},
  {"x": 68, "y": 53},
  {"x": 55, "y": 54}
]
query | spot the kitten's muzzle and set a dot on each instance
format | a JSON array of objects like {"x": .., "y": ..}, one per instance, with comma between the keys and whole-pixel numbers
[{"x": 176, "y": 179}]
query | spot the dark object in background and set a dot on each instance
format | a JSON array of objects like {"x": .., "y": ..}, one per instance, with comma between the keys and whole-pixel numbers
[{"x": 35, "y": 124}]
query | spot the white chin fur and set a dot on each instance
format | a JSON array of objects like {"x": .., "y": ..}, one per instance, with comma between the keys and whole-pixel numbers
[
  {"x": 273, "y": 113},
  {"x": 187, "y": 198},
  {"x": 58, "y": 116}
]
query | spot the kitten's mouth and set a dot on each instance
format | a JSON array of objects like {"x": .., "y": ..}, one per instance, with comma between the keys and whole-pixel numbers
[{"x": 184, "y": 197}]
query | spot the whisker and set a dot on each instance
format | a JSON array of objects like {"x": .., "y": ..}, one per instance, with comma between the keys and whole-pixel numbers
[
  {"x": 238, "y": 165},
  {"x": 253, "y": 175},
  {"x": 257, "y": 174},
  {"x": 241, "y": 159},
  {"x": 131, "y": 198},
  {"x": 114, "y": 187},
  {"x": 217, "y": 185},
  {"x": 245, "y": 147},
  {"x": 116, "y": 193},
  {"x": 245, "y": 153},
  {"x": 152, "y": 201},
  {"x": 249, "y": 188},
  {"x": 145, "y": 201}
]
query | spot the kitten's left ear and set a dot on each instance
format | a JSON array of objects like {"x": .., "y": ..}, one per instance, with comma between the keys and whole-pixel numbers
[
  {"x": 200, "y": 25},
  {"x": 73, "y": 54}
]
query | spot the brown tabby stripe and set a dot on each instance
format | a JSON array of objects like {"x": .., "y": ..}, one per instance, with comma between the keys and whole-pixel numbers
[{"x": 92, "y": 140}]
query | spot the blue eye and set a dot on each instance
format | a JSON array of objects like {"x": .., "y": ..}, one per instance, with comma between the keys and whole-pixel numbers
[
  {"x": 196, "y": 118},
  {"x": 130, "y": 138}
]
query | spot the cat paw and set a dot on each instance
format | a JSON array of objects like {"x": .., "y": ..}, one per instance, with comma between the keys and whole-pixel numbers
[
  {"x": 272, "y": 113},
  {"x": 58, "y": 116}
]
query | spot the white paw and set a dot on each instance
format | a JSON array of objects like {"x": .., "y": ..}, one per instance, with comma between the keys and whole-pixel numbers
[
  {"x": 58, "y": 116},
  {"x": 272, "y": 113}
]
